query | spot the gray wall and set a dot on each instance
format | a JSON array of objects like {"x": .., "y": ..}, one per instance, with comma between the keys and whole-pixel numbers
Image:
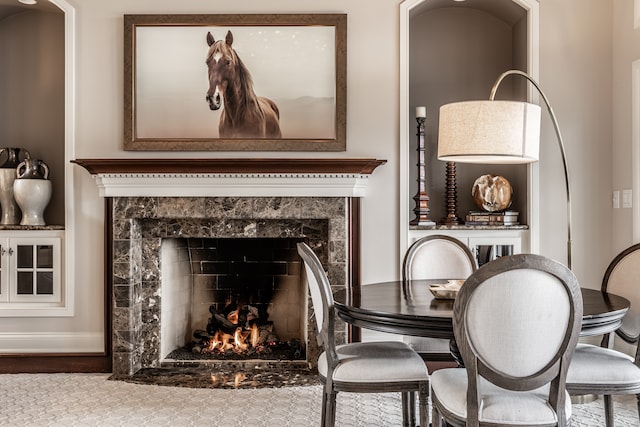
[
  {"x": 32, "y": 94},
  {"x": 578, "y": 51},
  {"x": 626, "y": 50},
  {"x": 456, "y": 55}
]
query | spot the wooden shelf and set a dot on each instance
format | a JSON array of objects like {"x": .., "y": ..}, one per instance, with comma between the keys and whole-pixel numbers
[
  {"x": 469, "y": 227},
  {"x": 233, "y": 166},
  {"x": 31, "y": 227}
]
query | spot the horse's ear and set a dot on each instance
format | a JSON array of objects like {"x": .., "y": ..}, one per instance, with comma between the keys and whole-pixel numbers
[
  {"x": 210, "y": 39},
  {"x": 229, "y": 38}
]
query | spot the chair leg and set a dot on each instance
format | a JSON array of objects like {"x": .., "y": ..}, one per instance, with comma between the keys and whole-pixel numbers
[
  {"x": 423, "y": 398},
  {"x": 638, "y": 402},
  {"x": 323, "y": 415},
  {"x": 328, "y": 416},
  {"x": 330, "y": 409},
  {"x": 408, "y": 409},
  {"x": 608, "y": 410},
  {"x": 435, "y": 416}
]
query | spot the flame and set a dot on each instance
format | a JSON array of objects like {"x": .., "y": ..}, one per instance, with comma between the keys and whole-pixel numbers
[
  {"x": 255, "y": 335},
  {"x": 214, "y": 342},
  {"x": 240, "y": 342},
  {"x": 239, "y": 339},
  {"x": 220, "y": 342}
]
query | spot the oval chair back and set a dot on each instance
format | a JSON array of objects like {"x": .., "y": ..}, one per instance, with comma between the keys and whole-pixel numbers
[
  {"x": 322, "y": 301},
  {"x": 438, "y": 257},
  {"x": 516, "y": 322},
  {"x": 603, "y": 370},
  {"x": 435, "y": 257},
  {"x": 621, "y": 278}
]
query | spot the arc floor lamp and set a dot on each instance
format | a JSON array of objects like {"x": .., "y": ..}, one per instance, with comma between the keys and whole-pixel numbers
[{"x": 498, "y": 132}]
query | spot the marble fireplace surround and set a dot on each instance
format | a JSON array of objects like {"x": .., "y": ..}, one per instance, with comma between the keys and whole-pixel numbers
[{"x": 149, "y": 199}]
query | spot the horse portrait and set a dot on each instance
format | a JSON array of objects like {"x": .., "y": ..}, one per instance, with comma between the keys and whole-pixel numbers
[{"x": 244, "y": 114}]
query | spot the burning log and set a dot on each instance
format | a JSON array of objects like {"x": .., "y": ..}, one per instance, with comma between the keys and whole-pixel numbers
[
  {"x": 218, "y": 321},
  {"x": 239, "y": 329},
  {"x": 266, "y": 334},
  {"x": 201, "y": 335}
]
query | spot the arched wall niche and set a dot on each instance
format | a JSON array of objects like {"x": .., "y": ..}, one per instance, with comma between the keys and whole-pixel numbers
[
  {"x": 33, "y": 89},
  {"x": 37, "y": 108},
  {"x": 454, "y": 51}
]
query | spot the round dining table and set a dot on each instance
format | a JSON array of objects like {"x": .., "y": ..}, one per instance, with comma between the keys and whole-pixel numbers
[{"x": 411, "y": 309}]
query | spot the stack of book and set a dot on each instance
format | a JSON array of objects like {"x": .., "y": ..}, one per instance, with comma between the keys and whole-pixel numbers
[{"x": 492, "y": 218}]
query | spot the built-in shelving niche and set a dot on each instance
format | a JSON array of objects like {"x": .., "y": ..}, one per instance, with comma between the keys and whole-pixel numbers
[
  {"x": 32, "y": 108},
  {"x": 454, "y": 51}
]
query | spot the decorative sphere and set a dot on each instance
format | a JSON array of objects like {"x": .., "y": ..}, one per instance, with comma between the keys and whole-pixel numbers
[{"x": 492, "y": 193}]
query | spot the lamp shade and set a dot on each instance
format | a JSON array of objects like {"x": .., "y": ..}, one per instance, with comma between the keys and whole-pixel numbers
[{"x": 495, "y": 132}]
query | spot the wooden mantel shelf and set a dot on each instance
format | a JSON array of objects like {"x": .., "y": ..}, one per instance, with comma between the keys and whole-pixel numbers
[
  {"x": 230, "y": 166},
  {"x": 231, "y": 177}
]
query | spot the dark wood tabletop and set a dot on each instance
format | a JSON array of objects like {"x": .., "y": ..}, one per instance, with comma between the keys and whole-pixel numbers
[{"x": 385, "y": 307}]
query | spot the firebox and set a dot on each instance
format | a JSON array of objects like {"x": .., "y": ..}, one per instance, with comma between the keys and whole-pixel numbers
[{"x": 232, "y": 299}]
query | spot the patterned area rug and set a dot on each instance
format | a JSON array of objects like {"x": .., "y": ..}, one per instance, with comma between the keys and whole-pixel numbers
[{"x": 92, "y": 400}]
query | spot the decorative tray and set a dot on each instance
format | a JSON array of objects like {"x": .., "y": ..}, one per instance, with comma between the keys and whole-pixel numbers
[{"x": 447, "y": 290}]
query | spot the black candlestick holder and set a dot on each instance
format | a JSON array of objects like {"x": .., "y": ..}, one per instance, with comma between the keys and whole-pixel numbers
[{"x": 421, "y": 198}]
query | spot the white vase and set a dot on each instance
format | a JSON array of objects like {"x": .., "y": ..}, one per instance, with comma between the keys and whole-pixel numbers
[
  {"x": 10, "y": 210},
  {"x": 32, "y": 196}
]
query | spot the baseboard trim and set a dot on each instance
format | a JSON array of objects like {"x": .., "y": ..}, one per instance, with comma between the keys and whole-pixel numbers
[
  {"x": 51, "y": 342},
  {"x": 54, "y": 363},
  {"x": 53, "y": 353}
]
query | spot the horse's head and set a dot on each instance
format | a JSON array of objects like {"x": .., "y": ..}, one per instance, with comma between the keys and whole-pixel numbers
[{"x": 222, "y": 62}]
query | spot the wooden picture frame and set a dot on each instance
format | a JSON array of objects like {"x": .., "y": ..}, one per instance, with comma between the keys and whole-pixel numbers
[{"x": 295, "y": 99}]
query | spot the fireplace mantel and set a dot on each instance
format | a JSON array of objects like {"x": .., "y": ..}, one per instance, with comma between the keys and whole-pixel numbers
[{"x": 231, "y": 177}]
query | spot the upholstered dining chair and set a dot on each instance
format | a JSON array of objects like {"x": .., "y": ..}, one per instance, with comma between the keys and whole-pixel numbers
[
  {"x": 435, "y": 257},
  {"x": 516, "y": 321},
  {"x": 362, "y": 367},
  {"x": 603, "y": 370}
]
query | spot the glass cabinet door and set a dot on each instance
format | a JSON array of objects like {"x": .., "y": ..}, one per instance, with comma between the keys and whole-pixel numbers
[
  {"x": 34, "y": 274},
  {"x": 34, "y": 269}
]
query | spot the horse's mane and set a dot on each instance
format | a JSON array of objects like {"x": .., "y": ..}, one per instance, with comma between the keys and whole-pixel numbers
[{"x": 244, "y": 76}]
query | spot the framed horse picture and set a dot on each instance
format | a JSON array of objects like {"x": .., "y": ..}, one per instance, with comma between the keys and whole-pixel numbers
[{"x": 264, "y": 82}]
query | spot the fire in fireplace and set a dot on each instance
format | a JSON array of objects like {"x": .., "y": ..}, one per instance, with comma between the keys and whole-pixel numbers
[
  {"x": 243, "y": 331},
  {"x": 255, "y": 307}
]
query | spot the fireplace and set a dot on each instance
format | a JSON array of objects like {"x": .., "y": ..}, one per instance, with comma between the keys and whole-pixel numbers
[
  {"x": 141, "y": 225},
  {"x": 152, "y": 202}
]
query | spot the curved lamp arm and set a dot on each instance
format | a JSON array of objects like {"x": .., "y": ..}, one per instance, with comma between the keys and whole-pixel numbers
[{"x": 560, "y": 143}]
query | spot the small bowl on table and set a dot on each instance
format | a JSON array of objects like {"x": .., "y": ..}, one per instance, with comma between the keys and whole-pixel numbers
[{"x": 447, "y": 290}]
